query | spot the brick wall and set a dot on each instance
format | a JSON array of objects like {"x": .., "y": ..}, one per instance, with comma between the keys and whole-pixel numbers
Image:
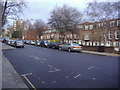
[
  {"x": 109, "y": 49},
  {"x": 95, "y": 48}
]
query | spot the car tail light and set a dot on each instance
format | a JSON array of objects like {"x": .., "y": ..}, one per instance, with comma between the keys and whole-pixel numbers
[
  {"x": 74, "y": 47},
  {"x": 77, "y": 47},
  {"x": 57, "y": 45}
]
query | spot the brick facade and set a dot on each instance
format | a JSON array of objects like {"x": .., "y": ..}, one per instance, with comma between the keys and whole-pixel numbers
[{"x": 106, "y": 33}]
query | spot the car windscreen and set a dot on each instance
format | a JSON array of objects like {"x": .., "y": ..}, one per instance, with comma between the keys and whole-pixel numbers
[
  {"x": 19, "y": 41},
  {"x": 75, "y": 44},
  {"x": 46, "y": 42}
]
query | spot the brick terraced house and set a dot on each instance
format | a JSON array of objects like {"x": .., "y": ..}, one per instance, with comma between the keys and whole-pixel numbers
[{"x": 106, "y": 33}]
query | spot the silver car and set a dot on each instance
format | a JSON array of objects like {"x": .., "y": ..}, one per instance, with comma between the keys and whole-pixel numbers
[
  {"x": 18, "y": 43},
  {"x": 71, "y": 47}
]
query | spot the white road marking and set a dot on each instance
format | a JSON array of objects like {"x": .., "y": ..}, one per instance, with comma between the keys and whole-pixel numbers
[
  {"x": 35, "y": 57},
  {"x": 77, "y": 76},
  {"x": 50, "y": 66},
  {"x": 44, "y": 59},
  {"x": 66, "y": 76},
  {"x": 54, "y": 71},
  {"x": 91, "y": 67},
  {"x": 94, "y": 67},
  {"x": 43, "y": 82},
  {"x": 54, "y": 81},
  {"x": 42, "y": 62},
  {"x": 94, "y": 78}
]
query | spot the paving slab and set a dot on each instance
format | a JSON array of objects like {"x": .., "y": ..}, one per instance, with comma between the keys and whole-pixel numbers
[
  {"x": 101, "y": 53},
  {"x": 10, "y": 78}
]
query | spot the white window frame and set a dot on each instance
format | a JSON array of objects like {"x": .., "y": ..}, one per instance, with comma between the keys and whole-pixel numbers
[
  {"x": 118, "y": 22},
  {"x": 112, "y": 23},
  {"x": 70, "y": 36},
  {"x": 98, "y": 24},
  {"x": 81, "y": 26},
  {"x": 67, "y": 35},
  {"x": 117, "y": 34},
  {"x": 91, "y": 26},
  {"x": 86, "y": 27},
  {"x": 110, "y": 35},
  {"x": 101, "y": 24},
  {"x": 75, "y": 36},
  {"x": 87, "y": 36}
]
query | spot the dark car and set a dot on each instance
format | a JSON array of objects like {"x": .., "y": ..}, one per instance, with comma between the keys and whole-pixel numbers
[
  {"x": 4, "y": 41},
  {"x": 18, "y": 43},
  {"x": 54, "y": 45},
  {"x": 44, "y": 43},
  {"x": 27, "y": 41}
]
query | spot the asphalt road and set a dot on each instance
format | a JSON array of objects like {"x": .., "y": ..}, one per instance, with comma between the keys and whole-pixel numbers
[{"x": 47, "y": 68}]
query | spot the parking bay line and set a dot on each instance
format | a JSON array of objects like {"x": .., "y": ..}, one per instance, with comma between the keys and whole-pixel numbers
[
  {"x": 77, "y": 76},
  {"x": 29, "y": 81}
]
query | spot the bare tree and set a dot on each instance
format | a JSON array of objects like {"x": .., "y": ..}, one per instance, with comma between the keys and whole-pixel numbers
[
  {"x": 39, "y": 25},
  {"x": 64, "y": 18},
  {"x": 101, "y": 12},
  {"x": 11, "y": 9},
  {"x": 29, "y": 25}
]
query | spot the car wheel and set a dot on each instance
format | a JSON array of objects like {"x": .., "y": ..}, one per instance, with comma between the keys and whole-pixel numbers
[
  {"x": 80, "y": 51},
  {"x": 69, "y": 50},
  {"x": 60, "y": 48},
  {"x": 53, "y": 47}
]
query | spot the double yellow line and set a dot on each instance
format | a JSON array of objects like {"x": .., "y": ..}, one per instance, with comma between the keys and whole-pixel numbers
[{"x": 24, "y": 75}]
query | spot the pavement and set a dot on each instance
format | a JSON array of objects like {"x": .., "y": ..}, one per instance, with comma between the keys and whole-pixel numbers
[
  {"x": 9, "y": 78},
  {"x": 102, "y": 53}
]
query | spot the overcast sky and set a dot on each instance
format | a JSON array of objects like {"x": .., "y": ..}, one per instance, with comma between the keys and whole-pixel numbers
[{"x": 40, "y": 9}]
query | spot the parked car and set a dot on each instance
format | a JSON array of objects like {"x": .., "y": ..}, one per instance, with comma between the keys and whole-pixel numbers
[
  {"x": 24, "y": 41},
  {"x": 1, "y": 39},
  {"x": 37, "y": 43},
  {"x": 12, "y": 42},
  {"x": 18, "y": 43},
  {"x": 9, "y": 42},
  {"x": 71, "y": 47},
  {"x": 44, "y": 43},
  {"x": 32, "y": 42},
  {"x": 27, "y": 41},
  {"x": 54, "y": 45},
  {"x": 4, "y": 41}
]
